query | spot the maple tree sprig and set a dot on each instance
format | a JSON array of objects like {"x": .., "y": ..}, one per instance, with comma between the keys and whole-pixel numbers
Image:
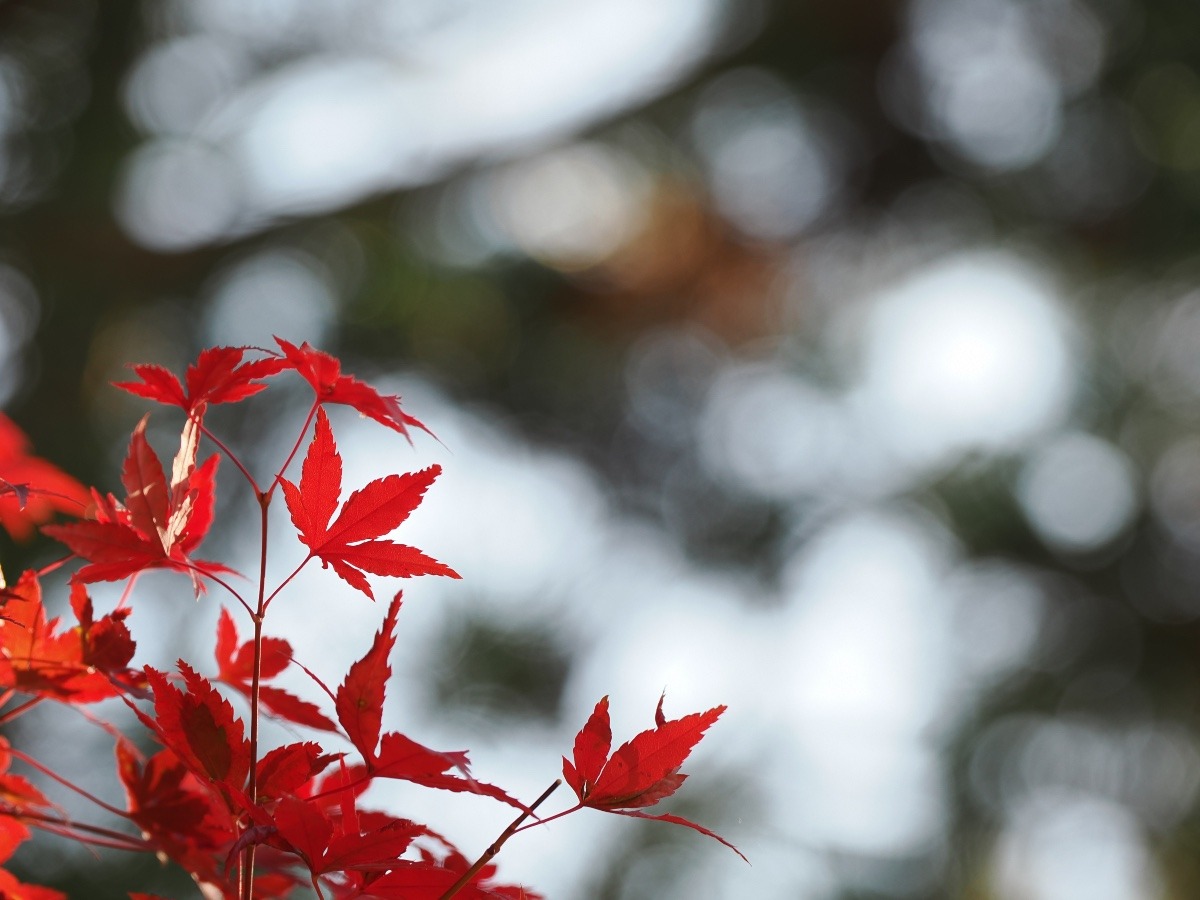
[
  {"x": 213, "y": 794},
  {"x": 489, "y": 854}
]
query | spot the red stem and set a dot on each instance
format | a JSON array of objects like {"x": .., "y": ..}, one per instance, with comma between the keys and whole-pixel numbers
[
  {"x": 50, "y": 773},
  {"x": 295, "y": 448},
  {"x": 264, "y": 502},
  {"x": 17, "y": 710},
  {"x": 549, "y": 819},
  {"x": 218, "y": 580},
  {"x": 285, "y": 582},
  {"x": 230, "y": 455},
  {"x": 491, "y": 851},
  {"x": 85, "y": 834}
]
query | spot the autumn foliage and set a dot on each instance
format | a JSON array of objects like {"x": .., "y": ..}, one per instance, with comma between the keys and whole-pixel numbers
[{"x": 245, "y": 820}]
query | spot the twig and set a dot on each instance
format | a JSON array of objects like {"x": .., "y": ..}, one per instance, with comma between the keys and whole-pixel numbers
[{"x": 499, "y": 842}]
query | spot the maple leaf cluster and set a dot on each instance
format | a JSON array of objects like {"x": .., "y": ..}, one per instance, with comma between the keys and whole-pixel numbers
[{"x": 242, "y": 820}]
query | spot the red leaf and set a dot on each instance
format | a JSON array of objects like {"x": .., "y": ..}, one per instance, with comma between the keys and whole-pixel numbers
[
  {"x": 286, "y": 769},
  {"x": 200, "y": 727},
  {"x": 176, "y": 812},
  {"x": 74, "y": 666},
  {"x": 388, "y": 558},
  {"x": 360, "y": 698},
  {"x": 427, "y": 879},
  {"x": 145, "y": 485},
  {"x": 33, "y": 489},
  {"x": 591, "y": 750},
  {"x": 306, "y": 827},
  {"x": 217, "y": 376},
  {"x": 375, "y": 849},
  {"x": 235, "y": 663},
  {"x": 167, "y": 801},
  {"x": 336, "y": 844},
  {"x": 159, "y": 525},
  {"x": 324, "y": 373},
  {"x": 381, "y": 506},
  {"x": 680, "y": 820},
  {"x": 637, "y": 769},
  {"x": 641, "y": 771},
  {"x": 292, "y": 708},
  {"x": 403, "y": 758},
  {"x": 349, "y": 545},
  {"x": 12, "y": 889}
]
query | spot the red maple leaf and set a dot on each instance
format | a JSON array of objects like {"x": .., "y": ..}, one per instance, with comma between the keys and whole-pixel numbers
[
  {"x": 438, "y": 866},
  {"x": 359, "y": 704},
  {"x": 217, "y": 376},
  {"x": 160, "y": 523},
  {"x": 78, "y": 665},
  {"x": 347, "y": 841},
  {"x": 31, "y": 489},
  {"x": 324, "y": 373},
  {"x": 290, "y": 768},
  {"x": 198, "y": 725},
  {"x": 351, "y": 543},
  {"x": 174, "y": 809},
  {"x": 642, "y": 771},
  {"x": 12, "y": 889},
  {"x": 235, "y": 665}
]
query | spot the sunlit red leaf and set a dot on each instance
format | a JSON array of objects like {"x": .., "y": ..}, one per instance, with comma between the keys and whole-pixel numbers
[
  {"x": 74, "y": 665},
  {"x": 31, "y": 489},
  {"x": 641, "y": 771},
  {"x": 324, "y": 373},
  {"x": 350, "y": 543},
  {"x": 217, "y": 376},
  {"x": 160, "y": 523}
]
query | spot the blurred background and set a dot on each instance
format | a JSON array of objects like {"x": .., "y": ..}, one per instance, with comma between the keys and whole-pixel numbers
[{"x": 839, "y": 362}]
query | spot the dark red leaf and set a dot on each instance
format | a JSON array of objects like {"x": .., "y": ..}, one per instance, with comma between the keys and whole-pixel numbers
[
  {"x": 200, "y": 727},
  {"x": 286, "y": 769}
]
